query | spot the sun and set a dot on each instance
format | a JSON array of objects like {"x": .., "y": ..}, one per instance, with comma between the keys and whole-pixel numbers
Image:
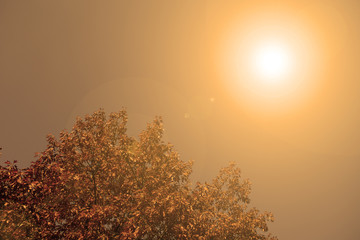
[{"x": 271, "y": 62}]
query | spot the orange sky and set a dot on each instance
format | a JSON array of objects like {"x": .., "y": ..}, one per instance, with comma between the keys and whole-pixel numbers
[{"x": 60, "y": 60}]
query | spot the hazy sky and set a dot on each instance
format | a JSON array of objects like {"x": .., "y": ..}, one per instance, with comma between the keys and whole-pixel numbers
[{"x": 62, "y": 59}]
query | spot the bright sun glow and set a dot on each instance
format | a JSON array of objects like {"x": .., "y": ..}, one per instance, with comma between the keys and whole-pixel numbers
[{"x": 271, "y": 62}]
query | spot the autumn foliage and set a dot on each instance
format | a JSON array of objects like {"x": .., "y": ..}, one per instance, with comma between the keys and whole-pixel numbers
[{"x": 96, "y": 182}]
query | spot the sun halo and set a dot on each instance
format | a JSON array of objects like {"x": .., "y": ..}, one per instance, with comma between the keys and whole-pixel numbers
[{"x": 270, "y": 65}]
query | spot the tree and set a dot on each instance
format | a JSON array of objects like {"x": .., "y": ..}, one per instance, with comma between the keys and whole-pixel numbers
[{"x": 96, "y": 182}]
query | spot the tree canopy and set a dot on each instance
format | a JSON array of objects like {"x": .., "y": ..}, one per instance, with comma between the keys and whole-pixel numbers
[{"x": 97, "y": 182}]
